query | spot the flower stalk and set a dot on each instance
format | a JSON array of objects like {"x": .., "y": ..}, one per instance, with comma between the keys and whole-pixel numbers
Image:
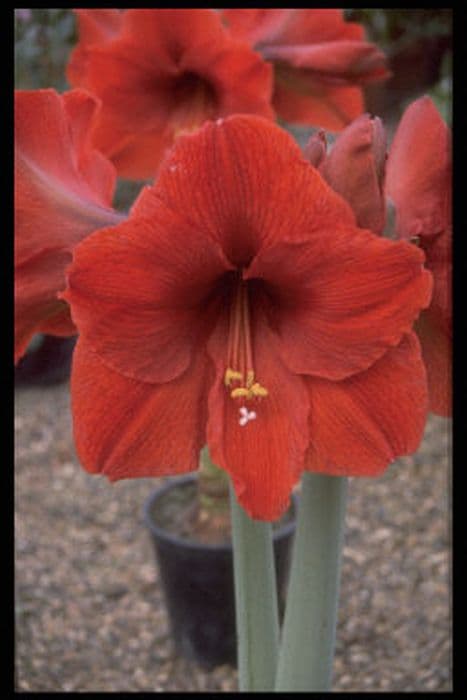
[
  {"x": 256, "y": 609},
  {"x": 308, "y": 635}
]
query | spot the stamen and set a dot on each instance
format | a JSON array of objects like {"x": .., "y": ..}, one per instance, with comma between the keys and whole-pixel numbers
[
  {"x": 231, "y": 375},
  {"x": 239, "y": 349}
]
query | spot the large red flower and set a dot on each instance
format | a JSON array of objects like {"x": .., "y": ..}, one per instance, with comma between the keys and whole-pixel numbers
[
  {"x": 240, "y": 306},
  {"x": 320, "y": 61},
  {"x": 418, "y": 180},
  {"x": 159, "y": 72},
  {"x": 63, "y": 192}
]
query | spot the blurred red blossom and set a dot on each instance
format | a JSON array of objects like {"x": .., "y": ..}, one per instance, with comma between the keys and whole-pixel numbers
[
  {"x": 160, "y": 72},
  {"x": 320, "y": 61},
  {"x": 63, "y": 192},
  {"x": 419, "y": 183}
]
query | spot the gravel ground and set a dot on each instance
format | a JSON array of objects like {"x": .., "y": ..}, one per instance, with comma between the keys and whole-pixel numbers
[{"x": 89, "y": 609}]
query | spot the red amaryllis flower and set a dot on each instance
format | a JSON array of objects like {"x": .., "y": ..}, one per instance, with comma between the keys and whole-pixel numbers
[
  {"x": 159, "y": 72},
  {"x": 418, "y": 180},
  {"x": 320, "y": 61},
  {"x": 63, "y": 191},
  {"x": 240, "y": 306}
]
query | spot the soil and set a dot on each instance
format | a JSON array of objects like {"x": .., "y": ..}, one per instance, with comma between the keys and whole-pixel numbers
[{"x": 89, "y": 607}]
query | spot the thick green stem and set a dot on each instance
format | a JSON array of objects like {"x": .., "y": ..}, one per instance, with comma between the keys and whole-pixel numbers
[
  {"x": 308, "y": 635},
  {"x": 255, "y": 600}
]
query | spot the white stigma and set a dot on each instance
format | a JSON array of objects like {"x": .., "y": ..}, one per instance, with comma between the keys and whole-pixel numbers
[{"x": 246, "y": 415}]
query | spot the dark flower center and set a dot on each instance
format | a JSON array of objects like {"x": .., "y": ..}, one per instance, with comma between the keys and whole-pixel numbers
[{"x": 194, "y": 99}]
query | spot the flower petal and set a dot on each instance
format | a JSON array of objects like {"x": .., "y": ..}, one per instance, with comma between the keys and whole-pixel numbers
[
  {"x": 63, "y": 191},
  {"x": 355, "y": 169},
  {"x": 418, "y": 172},
  {"x": 343, "y": 61},
  {"x": 434, "y": 327},
  {"x": 295, "y": 26},
  {"x": 63, "y": 188},
  {"x": 125, "y": 428},
  {"x": 140, "y": 293},
  {"x": 315, "y": 148},
  {"x": 252, "y": 186},
  {"x": 312, "y": 103},
  {"x": 265, "y": 456},
  {"x": 36, "y": 304},
  {"x": 359, "y": 425},
  {"x": 436, "y": 342},
  {"x": 97, "y": 25},
  {"x": 341, "y": 297}
]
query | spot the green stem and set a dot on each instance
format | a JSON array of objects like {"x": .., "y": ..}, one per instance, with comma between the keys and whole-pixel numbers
[
  {"x": 255, "y": 600},
  {"x": 308, "y": 635}
]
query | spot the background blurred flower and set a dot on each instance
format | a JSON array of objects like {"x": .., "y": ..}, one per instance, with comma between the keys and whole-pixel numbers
[
  {"x": 159, "y": 72},
  {"x": 63, "y": 191},
  {"x": 418, "y": 181},
  {"x": 320, "y": 61}
]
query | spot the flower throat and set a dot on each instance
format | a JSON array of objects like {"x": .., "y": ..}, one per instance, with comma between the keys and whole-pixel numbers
[{"x": 240, "y": 375}]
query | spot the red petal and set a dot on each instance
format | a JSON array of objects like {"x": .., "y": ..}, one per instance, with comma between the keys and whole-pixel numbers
[
  {"x": 60, "y": 324},
  {"x": 244, "y": 181},
  {"x": 434, "y": 326},
  {"x": 317, "y": 104},
  {"x": 418, "y": 173},
  {"x": 438, "y": 253},
  {"x": 355, "y": 169},
  {"x": 265, "y": 456},
  {"x": 418, "y": 180},
  {"x": 36, "y": 305},
  {"x": 436, "y": 342},
  {"x": 63, "y": 190},
  {"x": 255, "y": 26},
  {"x": 297, "y": 26},
  {"x": 359, "y": 425},
  {"x": 341, "y": 297},
  {"x": 126, "y": 429},
  {"x": 315, "y": 148},
  {"x": 139, "y": 292},
  {"x": 98, "y": 25},
  {"x": 343, "y": 61},
  {"x": 133, "y": 153}
]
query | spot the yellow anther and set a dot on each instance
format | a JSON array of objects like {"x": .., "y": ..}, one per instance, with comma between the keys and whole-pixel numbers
[
  {"x": 240, "y": 393},
  {"x": 232, "y": 375},
  {"x": 249, "y": 392},
  {"x": 257, "y": 390}
]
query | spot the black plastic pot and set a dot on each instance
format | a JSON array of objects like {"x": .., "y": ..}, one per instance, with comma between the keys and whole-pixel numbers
[
  {"x": 197, "y": 580},
  {"x": 46, "y": 362}
]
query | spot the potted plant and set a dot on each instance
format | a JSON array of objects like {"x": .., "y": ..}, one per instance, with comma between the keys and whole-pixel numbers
[{"x": 188, "y": 519}]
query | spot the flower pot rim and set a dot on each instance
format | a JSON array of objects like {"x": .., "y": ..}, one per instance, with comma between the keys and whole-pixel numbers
[{"x": 164, "y": 535}]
